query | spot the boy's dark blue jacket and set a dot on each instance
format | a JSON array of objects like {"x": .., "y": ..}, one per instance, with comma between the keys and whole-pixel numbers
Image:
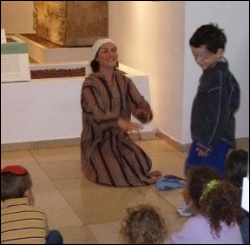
[{"x": 214, "y": 106}]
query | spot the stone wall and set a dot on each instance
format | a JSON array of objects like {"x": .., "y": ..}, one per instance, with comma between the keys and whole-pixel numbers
[{"x": 71, "y": 23}]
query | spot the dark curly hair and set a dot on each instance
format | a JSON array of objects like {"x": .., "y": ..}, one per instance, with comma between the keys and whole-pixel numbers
[
  {"x": 215, "y": 199},
  {"x": 209, "y": 35},
  {"x": 236, "y": 167},
  {"x": 143, "y": 225}
]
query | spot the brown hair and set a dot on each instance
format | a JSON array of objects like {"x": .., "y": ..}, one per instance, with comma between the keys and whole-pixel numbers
[
  {"x": 143, "y": 225},
  {"x": 216, "y": 200},
  {"x": 14, "y": 186},
  {"x": 236, "y": 167}
]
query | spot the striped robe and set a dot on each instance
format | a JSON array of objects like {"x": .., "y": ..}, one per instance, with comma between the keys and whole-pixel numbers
[{"x": 108, "y": 155}]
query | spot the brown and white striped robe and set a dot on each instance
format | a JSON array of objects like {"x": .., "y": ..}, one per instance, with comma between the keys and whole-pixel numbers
[{"x": 108, "y": 155}]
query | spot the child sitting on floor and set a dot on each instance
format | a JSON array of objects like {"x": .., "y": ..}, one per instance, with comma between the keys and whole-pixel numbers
[
  {"x": 215, "y": 204},
  {"x": 143, "y": 225},
  {"x": 21, "y": 221},
  {"x": 235, "y": 171}
]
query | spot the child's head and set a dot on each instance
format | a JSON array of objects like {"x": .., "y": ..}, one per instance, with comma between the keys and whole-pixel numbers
[
  {"x": 15, "y": 182},
  {"x": 216, "y": 200},
  {"x": 143, "y": 225},
  {"x": 208, "y": 45},
  {"x": 197, "y": 179},
  {"x": 210, "y": 36},
  {"x": 236, "y": 167}
]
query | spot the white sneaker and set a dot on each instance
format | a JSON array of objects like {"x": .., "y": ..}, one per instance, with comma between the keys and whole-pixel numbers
[{"x": 184, "y": 210}]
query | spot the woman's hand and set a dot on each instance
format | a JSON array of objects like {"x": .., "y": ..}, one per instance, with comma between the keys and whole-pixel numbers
[
  {"x": 128, "y": 126},
  {"x": 143, "y": 113}
]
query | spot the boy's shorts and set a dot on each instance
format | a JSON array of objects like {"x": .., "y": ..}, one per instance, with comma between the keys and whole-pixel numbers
[{"x": 216, "y": 159}]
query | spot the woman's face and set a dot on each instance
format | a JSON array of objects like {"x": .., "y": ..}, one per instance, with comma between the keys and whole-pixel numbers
[{"x": 107, "y": 55}]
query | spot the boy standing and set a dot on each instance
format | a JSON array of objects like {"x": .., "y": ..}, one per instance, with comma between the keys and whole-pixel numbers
[
  {"x": 214, "y": 106},
  {"x": 21, "y": 221},
  {"x": 216, "y": 101}
]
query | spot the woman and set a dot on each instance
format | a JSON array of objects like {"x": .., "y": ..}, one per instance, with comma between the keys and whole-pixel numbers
[{"x": 108, "y": 98}]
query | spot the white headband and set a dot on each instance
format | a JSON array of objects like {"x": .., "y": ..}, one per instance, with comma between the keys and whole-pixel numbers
[{"x": 98, "y": 43}]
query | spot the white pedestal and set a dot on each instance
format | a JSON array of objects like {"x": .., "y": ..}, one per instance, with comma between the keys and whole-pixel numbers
[
  {"x": 49, "y": 109},
  {"x": 42, "y": 54}
]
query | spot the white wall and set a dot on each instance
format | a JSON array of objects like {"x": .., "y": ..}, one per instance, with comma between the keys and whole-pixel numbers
[
  {"x": 153, "y": 37},
  {"x": 150, "y": 37},
  {"x": 17, "y": 16}
]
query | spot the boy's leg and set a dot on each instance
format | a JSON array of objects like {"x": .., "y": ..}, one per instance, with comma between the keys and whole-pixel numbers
[
  {"x": 215, "y": 160},
  {"x": 191, "y": 158},
  {"x": 54, "y": 237}
]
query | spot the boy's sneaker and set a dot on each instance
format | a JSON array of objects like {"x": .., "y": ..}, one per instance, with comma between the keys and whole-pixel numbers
[{"x": 184, "y": 211}]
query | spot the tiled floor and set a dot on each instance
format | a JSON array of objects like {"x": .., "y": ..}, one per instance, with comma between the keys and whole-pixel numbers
[{"x": 85, "y": 212}]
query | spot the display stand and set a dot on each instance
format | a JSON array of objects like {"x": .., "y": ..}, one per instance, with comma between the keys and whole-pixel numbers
[{"x": 55, "y": 54}]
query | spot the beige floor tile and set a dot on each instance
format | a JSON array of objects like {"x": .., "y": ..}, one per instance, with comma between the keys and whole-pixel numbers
[
  {"x": 16, "y": 157},
  {"x": 155, "y": 145},
  {"x": 101, "y": 204},
  {"x": 41, "y": 181},
  {"x": 77, "y": 235},
  {"x": 168, "y": 162},
  {"x": 60, "y": 213},
  {"x": 174, "y": 197},
  {"x": 106, "y": 233},
  {"x": 62, "y": 169},
  {"x": 56, "y": 154},
  {"x": 81, "y": 183}
]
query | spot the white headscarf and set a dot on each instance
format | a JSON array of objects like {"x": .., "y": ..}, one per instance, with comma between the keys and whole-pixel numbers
[{"x": 98, "y": 43}]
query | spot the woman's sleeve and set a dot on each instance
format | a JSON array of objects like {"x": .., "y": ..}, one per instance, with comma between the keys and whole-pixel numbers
[
  {"x": 93, "y": 108},
  {"x": 136, "y": 100}
]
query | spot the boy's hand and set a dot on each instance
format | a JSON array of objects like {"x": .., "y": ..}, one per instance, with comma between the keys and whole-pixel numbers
[{"x": 201, "y": 153}]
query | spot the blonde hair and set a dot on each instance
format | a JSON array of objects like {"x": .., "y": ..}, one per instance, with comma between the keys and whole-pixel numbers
[{"x": 143, "y": 225}]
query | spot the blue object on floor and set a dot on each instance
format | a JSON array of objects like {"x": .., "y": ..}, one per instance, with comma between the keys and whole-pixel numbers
[{"x": 170, "y": 182}]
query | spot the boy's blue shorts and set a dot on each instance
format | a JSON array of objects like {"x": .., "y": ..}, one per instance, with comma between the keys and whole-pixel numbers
[{"x": 216, "y": 159}]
